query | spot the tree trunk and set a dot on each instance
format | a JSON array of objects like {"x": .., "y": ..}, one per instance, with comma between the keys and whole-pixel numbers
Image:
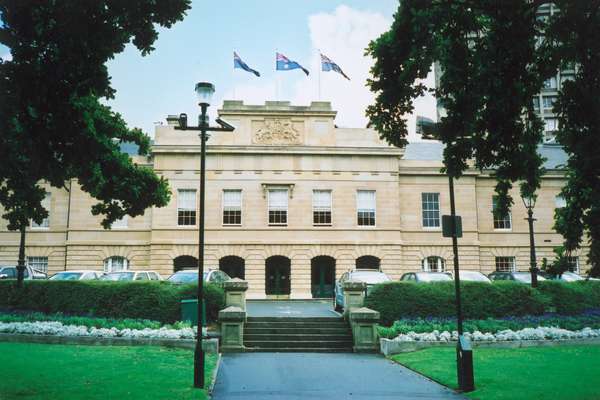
[{"x": 21, "y": 264}]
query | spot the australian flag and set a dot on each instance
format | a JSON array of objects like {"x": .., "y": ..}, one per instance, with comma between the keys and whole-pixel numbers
[
  {"x": 328, "y": 65},
  {"x": 238, "y": 63},
  {"x": 282, "y": 63}
]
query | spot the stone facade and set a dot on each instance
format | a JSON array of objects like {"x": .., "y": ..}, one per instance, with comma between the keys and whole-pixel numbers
[{"x": 298, "y": 149}]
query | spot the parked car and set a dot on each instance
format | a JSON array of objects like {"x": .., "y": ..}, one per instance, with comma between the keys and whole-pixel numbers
[
  {"x": 473, "y": 276},
  {"x": 78, "y": 275},
  {"x": 370, "y": 277},
  {"x": 426, "y": 277},
  {"x": 567, "y": 276},
  {"x": 131, "y": 276},
  {"x": 191, "y": 276},
  {"x": 518, "y": 276},
  {"x": 10, "y": 272}
]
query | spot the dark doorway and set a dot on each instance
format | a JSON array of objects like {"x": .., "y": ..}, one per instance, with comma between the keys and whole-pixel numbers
[
  {"x": 368, "y": 262},
  {"x": 322, "y": 276},
  {"x": 277, "y": 275},
  {"x": 185, "y": 262},
  {"x": 233, "y": 266}
]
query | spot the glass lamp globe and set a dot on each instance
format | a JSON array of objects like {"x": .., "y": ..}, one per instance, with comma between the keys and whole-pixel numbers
[{"x": 204, "y": 92}]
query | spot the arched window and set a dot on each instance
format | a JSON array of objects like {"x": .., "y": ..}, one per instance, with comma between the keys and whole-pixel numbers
[
  {"x": 368, "y": 262},
  {"x": 116, "y": 263},
  {"x": 232, "y": 266},
  {"x": 185, "y": 263},
  {"x": 433, "y": 264}
]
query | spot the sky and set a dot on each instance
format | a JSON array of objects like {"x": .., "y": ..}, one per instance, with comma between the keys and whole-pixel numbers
[{"x": 200, "y": 48}]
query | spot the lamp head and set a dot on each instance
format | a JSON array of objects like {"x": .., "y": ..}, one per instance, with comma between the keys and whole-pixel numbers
[
  {"x": 529, "y": 201},
  {"x": 183, "y": 121},
  {"x": 204, "y": 92}
]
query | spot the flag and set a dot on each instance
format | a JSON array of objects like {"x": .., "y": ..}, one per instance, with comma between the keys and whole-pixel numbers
[
  {"x": 282, "y": 63},
  {"x": 328, "y": 65},
  {"x": 238, "y": 63}
]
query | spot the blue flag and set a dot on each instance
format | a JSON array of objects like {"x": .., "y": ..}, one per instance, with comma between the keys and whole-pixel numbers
[
  {"x": 282, "y": 63},
  {"x": 328, "y": 65},
  {"x": 238, "y": 63}
]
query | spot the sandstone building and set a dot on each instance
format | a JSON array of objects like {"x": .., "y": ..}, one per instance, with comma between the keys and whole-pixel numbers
[{"x": 292, "y": 202}]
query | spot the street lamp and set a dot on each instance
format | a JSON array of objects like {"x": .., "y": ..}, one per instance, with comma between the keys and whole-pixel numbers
[
  {"x": 204, "y": 92},
  {"x": 529, "y": 203}
]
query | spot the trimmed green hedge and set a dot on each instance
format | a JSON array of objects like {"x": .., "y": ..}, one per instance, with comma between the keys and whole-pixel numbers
[
  {"x": 158, "y": 301},
  {"x": 397, "y": 300}
]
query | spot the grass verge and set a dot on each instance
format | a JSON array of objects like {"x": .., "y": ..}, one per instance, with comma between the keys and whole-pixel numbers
[
  {"x": 67, "y": 372},
  {"x": 564, "y": 372}
]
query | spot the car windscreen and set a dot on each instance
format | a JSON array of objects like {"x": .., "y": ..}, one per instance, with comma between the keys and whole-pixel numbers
[
  {"x": 434, "y": 277},
  {"x": 66, "y": 276},
  {"x": 525, "y": 277},
  {"x": 473, "y": 276},
  {"x": 185, "y": 277},
  {"x": 571, "y": 277},
  {"x": 118, "y": 276},
  {"x": 370, "y": 278}
]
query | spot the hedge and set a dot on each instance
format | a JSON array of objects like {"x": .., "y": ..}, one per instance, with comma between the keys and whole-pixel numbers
[
  {"x": 158, "y": 301},
  {"x": 396, "y": 300}
]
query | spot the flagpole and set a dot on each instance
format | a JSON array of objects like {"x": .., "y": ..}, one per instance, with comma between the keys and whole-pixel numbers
[
  {"x": 319, "y": 74},
  {"x": 233, "y": 80}
]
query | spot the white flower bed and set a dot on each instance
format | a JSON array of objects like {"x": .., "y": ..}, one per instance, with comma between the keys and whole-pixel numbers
[
  {"x": 539, "y": 333},
  {"x": 58, "y": 329}
]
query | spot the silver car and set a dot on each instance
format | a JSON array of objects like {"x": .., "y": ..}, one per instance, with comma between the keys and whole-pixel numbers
[
  {"x": 131, "y": 276},
  {"x": 80, "y": 275},
  {"x": 370, "y": 277},
  {"x": 191, "y": 276},
  {"x": 426, "y": 277}
]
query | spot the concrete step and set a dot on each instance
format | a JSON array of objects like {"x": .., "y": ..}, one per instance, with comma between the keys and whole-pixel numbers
[
  {"x": 297, "y": 337},
  {"x": 297, "y": 330},
  {"x": 295, "y": 324},
  {"x": 298, "y": 350},
  {"x": 295, "y": 319},
  {"x": 305, "y": 344}
]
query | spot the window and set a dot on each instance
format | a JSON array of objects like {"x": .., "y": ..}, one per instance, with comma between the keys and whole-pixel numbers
[
  {"x": 550, "y": 124},
  {"x": 115, "y": 263},
  {"x": 365, "y": 207},
  {"x": 322, "y": 207},
  {"x": 500, "y": 221},
  {"x": 505, "y": 264},
  {"x": 548, "y": 102},
  {"x": 120, "y": 223},
  {"x": 38, "y": 263},
  {"x": 278, "y": 206},
  {"x": 232, "y": 207},
  {"x": 430, "y": 204},
  {"x": 550, "y": 84},
  {"x": 573, "y": 264},
  {"x": 186, "y": 207},
  {"x": 433, "y": 264},
  {"x": 46, "y": 221},
  {"x": 536, "y": 103},
  {"x": 560, "y": 201}
]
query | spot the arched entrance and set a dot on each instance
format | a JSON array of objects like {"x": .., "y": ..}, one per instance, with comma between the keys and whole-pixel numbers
[
  {"x": 322, "y": 272},
  {"x": 368, "y": 262},
  {"x": 233, "y": 266},
  {"x": 184, "y": 262},
  {"x": 277, "y": 275}
]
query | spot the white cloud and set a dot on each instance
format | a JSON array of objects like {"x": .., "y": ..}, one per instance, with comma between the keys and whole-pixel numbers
[
  {"x": 6, "y": 56},
  {"x": 342, "y": 35}
]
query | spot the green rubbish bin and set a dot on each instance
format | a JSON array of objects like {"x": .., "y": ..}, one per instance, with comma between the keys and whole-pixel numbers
[{"x": 189, "y": 311}]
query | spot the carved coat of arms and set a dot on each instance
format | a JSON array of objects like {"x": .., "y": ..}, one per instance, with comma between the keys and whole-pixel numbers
[{"x": 277, "y": 131}]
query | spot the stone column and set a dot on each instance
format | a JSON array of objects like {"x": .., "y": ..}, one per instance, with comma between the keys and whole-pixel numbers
[
  {"x": 364, "y": 333},
  {"x": 300, "y": 278},
  {"x": 354, "y": 295},
  {"x": 232, "y": 329},
  {"x": 235, "y": 293},
  {"x": 255, "y": 275}
]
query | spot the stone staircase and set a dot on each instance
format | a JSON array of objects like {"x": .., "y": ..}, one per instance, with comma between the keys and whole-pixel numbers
[{"x": 297, "y": 334}]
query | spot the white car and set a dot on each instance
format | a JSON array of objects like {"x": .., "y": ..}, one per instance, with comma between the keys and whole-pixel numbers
[
  {"x": 473, "y": 276},
  {"x": 76, "y": 275},
  {"x": 370, "y": 277},
  {"x": 191, "y": 276},
  {"x": 426, "y": 277},
  {"x": 10, "y": 272},
  {"x": 131, "y": 276}
]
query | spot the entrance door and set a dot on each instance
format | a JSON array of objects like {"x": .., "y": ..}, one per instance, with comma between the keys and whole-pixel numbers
[
  {"x": 322, "y": 276},
  {"x": 277, "y": 276}
]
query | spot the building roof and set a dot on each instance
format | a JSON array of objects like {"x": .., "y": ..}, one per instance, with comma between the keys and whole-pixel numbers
[{"x": 554, "y": 154}]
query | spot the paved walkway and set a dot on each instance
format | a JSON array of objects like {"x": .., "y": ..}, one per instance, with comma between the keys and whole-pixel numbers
[
  {"x": 268, "y": 376},
  {"x": 296, "y": 308}
]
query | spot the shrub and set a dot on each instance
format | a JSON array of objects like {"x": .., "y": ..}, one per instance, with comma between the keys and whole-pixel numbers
[
  {"x": 396, "y": 300},
  {"x": 159, "y": 301}
]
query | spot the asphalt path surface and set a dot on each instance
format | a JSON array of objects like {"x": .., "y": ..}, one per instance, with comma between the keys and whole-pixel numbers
[{"x": 285, "y": 376}]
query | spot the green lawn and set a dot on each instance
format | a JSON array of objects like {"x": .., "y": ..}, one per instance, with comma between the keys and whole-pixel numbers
[
  {"x": 40, "y": 371},
  {"x": 565, "y": 372}
]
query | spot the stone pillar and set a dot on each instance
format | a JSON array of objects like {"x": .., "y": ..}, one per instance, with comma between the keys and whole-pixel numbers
[
  {"x": 232, "y": 329},
  {"x": 364, "y": 333},
  {"x": 255, "y": 275},
  {"x": 300, "y": 278},
  {"x": 354, "y": 295},
  {"x": 235, "y": 293}
]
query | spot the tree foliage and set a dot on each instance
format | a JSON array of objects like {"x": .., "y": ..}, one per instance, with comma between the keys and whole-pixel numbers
[
  {"x": 559, "y": 265},
  {"x": 486, "y": 50},
  {"x": 54, "y": 127}
]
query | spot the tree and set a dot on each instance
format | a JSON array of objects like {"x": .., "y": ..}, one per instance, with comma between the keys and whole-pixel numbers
[
  {"x": 54, "y": 127},
  {"x": 559, "y": 265},
  {"x": 486, "y": 52},
  {"x": 571, "y": 39}
]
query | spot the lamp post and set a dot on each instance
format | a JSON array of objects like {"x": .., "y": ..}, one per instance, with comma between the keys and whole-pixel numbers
[
  {"x": 529, "y": 203},
  {"x": 204, "y": 92}
]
